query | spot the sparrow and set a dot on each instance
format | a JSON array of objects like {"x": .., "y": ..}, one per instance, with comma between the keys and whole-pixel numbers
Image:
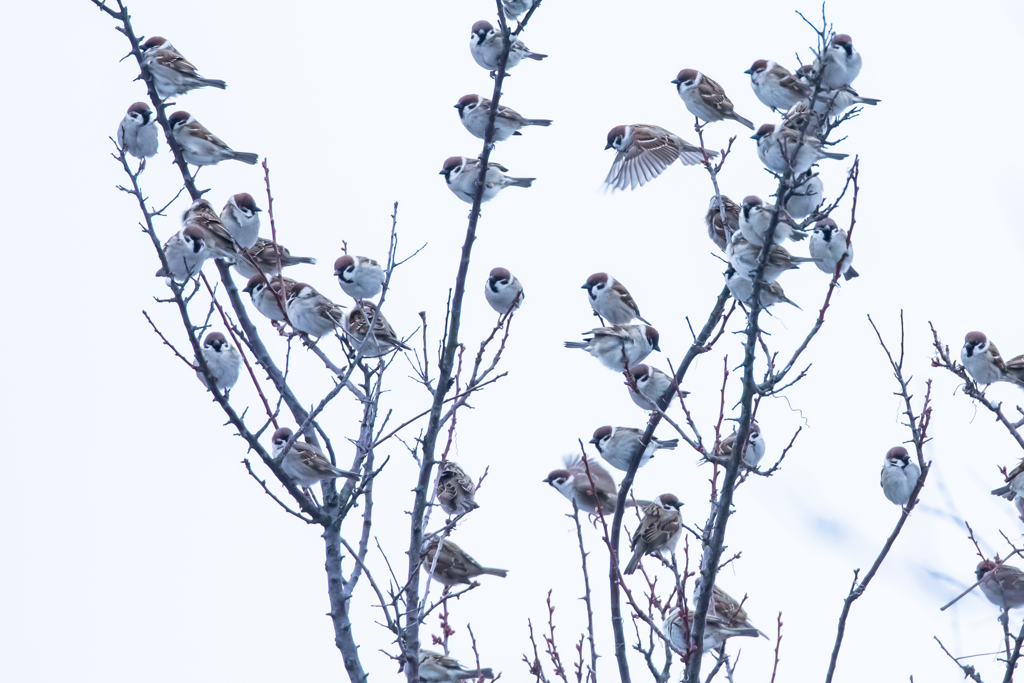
[
  {"x": 223, "y": 361},
  {"x": 172, "y": 73},
  {"x": 436, "y": 668},
  {"x": 839, "y": 64},
  {"x": 1002, "y": 585},
  {"x": 659, "y": 531},
  {"x": 611, "y": 300},
  {"x": 263, "y": 298},
  {"x": 304, "y": 462},
  {"x": 726, "y": 607},
  {"x": 828, "y": 244},
  {"x": 461, "y": 174},
  {"x": 755, "y": 446},
  {"x": 742, "y": 289},
  {"x": 240, "y": 217},
  {"x": 899, "y": 476},
  {"x": 475, "y": 110},
  {"x": 756, "y": 217},
  {"x": 218, "y": 240},
  {"x": 981, "y": 359},
  {"x": 801, "y": 117},
  {"x": 775, "y": 86},
  {"x": 266, "y": 258},
  {"x": 643, "y": 152},
  {"x": 613, "y": 345},
  {"x": 1014, "y": 487},
  {"x": 573, "y": 483},
  {"x": 705, "y": 98},
  {"x": 199, "y": 146},
  {"x": 455, "y": 490},
  {"x": 716, "y": 630},
  {"x": 359, "y": 277},
  {"x": 502, "y": 290},
  {"x": 185, "y": 253},
  {"x": 720, "y": 233},
  {"x": 743, "y": 256},
  {"x": 619, "y": 445},
  {"x": 454, "y": 565},
  {"x": 311, "y": 312},
  {"x": 651, "y": 384},
  {"x": 486, "y": 43},
  {"x": 515, "y": 8},
  {"x": 780, "y": 150},
  {"x": 804, "y": 198},
  {"x": 831, "y": 101},
  {"x": 1015, "y": 370},
  {"x": 138, "y": 132},
  {"x": 356, "y": 324}
]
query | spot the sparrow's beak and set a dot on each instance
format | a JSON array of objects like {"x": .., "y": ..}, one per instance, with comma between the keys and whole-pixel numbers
[
  {"x": 584, "y": 284},
  {"x": 675, "y": 82},
  {"x": 593, "y": 441},
  {"x": 441, "y": 172},
  {"x": 257, "y": 209},
  {"x": 608, "y": 146},
  {"x": 456, "y": 106},
  {"x": 749, "y": 71},
  {"x": 656, "y": 347}
]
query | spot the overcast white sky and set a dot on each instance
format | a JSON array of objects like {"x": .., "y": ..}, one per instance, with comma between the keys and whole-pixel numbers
[{"x": 136, "y": 547}]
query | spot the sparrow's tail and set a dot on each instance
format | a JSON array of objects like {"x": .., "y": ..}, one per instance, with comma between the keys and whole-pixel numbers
[
  {"x": 637, "y": 503},
  {"x": 495, "y": 572},
  {"x": 791, "y": 303},
  {"x": 868, "y": 100},
  {"x": 668, "y": 443},
  {"x": 633, "y": 562},
  {"x": 520, "y": 182},
  {"x": 246, "y": 157},
  {"x": 749, "y": 632},
  {"x": 691, "y": 154},
  {"x": 344, "y": 473},
  {"x": 537, "y": 122},
  {"x": 746, "y": 122},
  {"x": 576, "y": 345},
  {"x": 1004, "y": 491},
  {"x": 834, "y": 155},
  {"x": 485, "y": 673},
  {"x": 290, "y": 260},
  {"x": 797, "y": 235},
  {"x": 804, "y": 259},
  {"x": 851, "y": 273},
  {"x": 213, "y": 83},
  {"x": 536, "y": 55}
]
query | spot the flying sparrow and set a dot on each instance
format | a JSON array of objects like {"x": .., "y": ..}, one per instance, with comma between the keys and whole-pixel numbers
[
  {"x": 828, "y": 244},
  {"x": 380, "y": 342},
  {"x": 755, "y": 446},
  {"x": 643, "y": 152},
  {"x": 199, "y": 146},
  {"x": 359, "y": 277},
  {"x": 705, "y": 98},
  {"x": 263, "y": 295},
  {"x": 716, "y": 630},
  {"x": 266, "y": 257},
  {"x": 240, "y": 216},
  {"x": 775, "y": 86},
  {"x": 780, "y": 150},
  {"x": 839, "y": 64},
  {"x": 573, "y": 483},
  {"x": 613, "y": 345},
  {"x": 651, "y": 384},
  {"x": 721, "y": 233},
  {"x": 805, "y": 197},
  {"x": 743, "y": 256},
  {"x": 486, "y": 44},
  {"x": 742, "y": 289},
  {"x": 172, "y": 73},
  {"x": 1002, "y": 585},
  {"x": 216, "y": 236},
  {"x": 454, "y": 565},
  {"x": 619, "y": 445},
  {"x": 185, "y": 253},
  {"x": 611, "y": 300},
  {"x": 436, "y": 668},
  {"x": 455, "y": 490},
  {"x": 981, "y": 358},
  {"x": 659, "y": 531},
  {"x": 756, "y": 217},
  {"x": 502, "y": 290},
  {"x": 475, "y": 110},
  {"x": 304, "y": 462},
  {"x": 1014, "y": 487},
  {"x": 223, "y": 361},
  {"x": 899, "y": 476},
  {"x": 516, "y": 8},
  {"x": 311, "y": 312},
  {"x": 138, "y": 133},
  {"x": 461, "y": 174}
]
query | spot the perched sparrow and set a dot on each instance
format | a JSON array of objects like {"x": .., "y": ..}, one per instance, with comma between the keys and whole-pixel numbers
[
  {"x": 311, "y": 312},
  {"x": 716, "y": 630},
  {"x": 305, "y": 462},
  {"x": 380, "y": 342},
  {"x": 652, "y": 384},
  {"x": 222, "y": 359},
  {"x": 573, "y": 483},
  {"x": 755, "y": 446},
  {"x": 217, "y": 238},
  {"x": 266, "y": 258},
  {"x": 359, "y": 277},
  {"x": 263, "y": 297},
  {"x": 138, "y": 132},
  {"x": 1014, "y": 487},
  {"x": 981, "y": 358},
  {"x": 461, "y": 174},
  {"x": 486, "y": 44},
  {"x": 899, "y": 476},
  {"x": 502, "y": 289},
  {"x": 1002, "y": 585},
  {"x": 828, "y": 244},
  {"x": 780, "y": 150},
  {"x": 775, "y": 86},
  {"x": 743, "y": 256},
  {"x": 659, "y": 531},
  {"x": 172, "y": 73},
  {"x": 241, "y": 218},
  {"x": 619, "y": 445},
  {"x": 611, "y": 300},
  {"x": 839, "y": 64},
  {"x": 832, "y": 101},
  {"x": 454, "y": 565},
  {"x": 455, "y": 489},
  {"x": 756, "y": 217},
  {"x": 612, "y": 345},
  {"x": 705, "y": 98},
  {"x": 720, "y": 233},
  {"x": 185, "y": 253},
  {"x": 805, "y": 197},
  {"x": 800, "y": 118},
  {"x": 475, "y": 110},
  {"x": 516, "y": 8},
  {"x": 727, "y": 608},
  {"x": 199, "y": 146},
  {"x": 1015, "y": 370},
  {"x": 742, "y": 289},
  {"x": 643, "y": 152},
  {"x": 436, "y": 668}
]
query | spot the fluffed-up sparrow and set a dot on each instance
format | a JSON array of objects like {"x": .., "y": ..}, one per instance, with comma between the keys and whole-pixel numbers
[
  {"x": 266, "y": 258},
  {"x": 311, "y": 312},
  {"x": 756, "y": 217},
  {"x": 1002, "y": 585},
  {"x": 436, "y": 668},
  {"x": 805, "y": 197},
  {"x": 241, "y": 217},
  {"x": 775, "y": 86},
  {"x": 381, "y": 341},
  {"x": 359, "y": 277},
  {"x": 455, "y": 489},
  {"x": 304, "y": 462},
  {"x": 743, "y": 256},
  {"x": 461, "y": 174},
  {"x": 618, "y": 343},
  {"x": 720, "y": 233},
  {"x": 172, "y": 73},
  {"x": 742, "y": 289},
  {"x": 454, "y": 565},
  {"x": 899, "y": 475},
  {"x": 651, "y": 384},
  {"x": 502, "y": 290},
  {"x": 981, "y": 359},
  {"x": 716, "y": 630},
  {"x": 643, "y": 152},
  {"x": 486, "y": 43},
  {"x": 611, "y": 300},
  {"x": 780, "y": 149},
  {"x": 619, "y": 445},
  {"x": 755, "y": 446},
  {"x": 222, "y": 360},
  {"x": 185, "y": 253},
  {"x": 828, "y": 244},
  {"x": 659, "y": 530},
  {"x": 263, "y": 295},
  {"x": 218, "y": 240},
  {"x": 573, "y": 483},
  {"x": 475, "y": 110},
  {"x": 199, "y": 146},
  {"x": 138, "y": 132},
  {"x": 705, "y": 98},
  {"x": 840, "y": 63}
]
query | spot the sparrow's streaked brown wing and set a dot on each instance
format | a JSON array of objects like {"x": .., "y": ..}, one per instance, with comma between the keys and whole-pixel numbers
[
  {"x": 626, "y": 297},
  {"x": 714, "y": 95},
  {"x": 996, "y": 358}
]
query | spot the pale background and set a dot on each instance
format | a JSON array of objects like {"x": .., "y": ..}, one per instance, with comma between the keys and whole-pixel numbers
[{"x": 135, "y": 546}]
